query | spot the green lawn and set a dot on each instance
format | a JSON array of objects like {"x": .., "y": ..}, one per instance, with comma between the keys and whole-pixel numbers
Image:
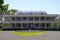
[{"x": 30, "y": 33}]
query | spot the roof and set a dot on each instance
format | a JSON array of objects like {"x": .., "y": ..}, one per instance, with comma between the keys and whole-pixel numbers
[{"x": 31, "y": 12}]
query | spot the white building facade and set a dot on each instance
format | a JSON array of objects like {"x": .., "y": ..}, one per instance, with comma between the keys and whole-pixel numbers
[{"x": 30, "y": 20}]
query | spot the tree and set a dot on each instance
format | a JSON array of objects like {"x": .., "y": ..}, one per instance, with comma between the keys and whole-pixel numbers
[
  {"x": 5, "y": 7},
  {"x": 1, "y": 3},
  {"x": 58, "y": 22},
  {"x": 12, "y": 11}
]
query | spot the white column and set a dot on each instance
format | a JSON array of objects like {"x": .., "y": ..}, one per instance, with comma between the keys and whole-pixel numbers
[
  {"x": 39, "y": 21},
  {"x": 15, "y": 22},
  {"x": 45, "y": 19},
  {"x": 33, "y": 21},
  {"x": 27, "y": 25},
  {"x": 58, "y": 25},
  {"x": 2, "y": 25},
  {"x": 21, "y": 25},
  {"x": 27, "y": 21},
  {"x": 45, "y": 25},
  {"x": 52, "y": 18},
  {"x": 9, "y": 19},
  {"x": 40, "y": 25},
  {"x": 21, "y": 21},
  {"x": 39, "y": 18},
  {"x": 52, "y": 25}
]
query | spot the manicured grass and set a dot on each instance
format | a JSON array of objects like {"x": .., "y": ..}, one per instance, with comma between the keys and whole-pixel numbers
[{"x": 30, "y": 33}]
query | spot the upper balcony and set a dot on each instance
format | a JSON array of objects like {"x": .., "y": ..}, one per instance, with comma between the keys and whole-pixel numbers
[{"x": 29, "y": 20}]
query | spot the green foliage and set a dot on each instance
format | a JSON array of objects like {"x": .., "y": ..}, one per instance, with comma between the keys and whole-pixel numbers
[
  {"x": 2, "y": 6},
  {"x": 5, "y": 7},
  {"x": 1, "y": 3},
  {"x": 12, "y": 10},
  {"x": 58, "y": 20}
]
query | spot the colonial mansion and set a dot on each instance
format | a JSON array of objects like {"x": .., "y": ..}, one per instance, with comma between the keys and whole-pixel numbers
[{"x": 30, "y": 20}]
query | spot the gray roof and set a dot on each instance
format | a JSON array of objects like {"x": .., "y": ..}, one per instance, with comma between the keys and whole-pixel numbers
[{"x": 31, "y": 12}]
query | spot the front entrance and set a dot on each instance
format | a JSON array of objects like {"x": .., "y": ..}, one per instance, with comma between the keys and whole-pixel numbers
[{"x": 30, "y": 26}]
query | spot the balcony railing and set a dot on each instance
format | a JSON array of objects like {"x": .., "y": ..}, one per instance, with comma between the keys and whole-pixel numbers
[{"x": 28, "y": 21}]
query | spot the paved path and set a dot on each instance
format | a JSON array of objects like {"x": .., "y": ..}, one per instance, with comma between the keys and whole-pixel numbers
[{"x": 51, "y": 35}]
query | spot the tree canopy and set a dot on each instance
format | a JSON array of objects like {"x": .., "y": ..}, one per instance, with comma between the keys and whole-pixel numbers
[
  {"x": 1, "y": 3},
  {"x": 3, "y": 7},
  {"x": 12, "y": 11}
]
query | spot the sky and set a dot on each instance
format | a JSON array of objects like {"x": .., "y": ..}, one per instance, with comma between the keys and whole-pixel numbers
[{"x": 50, "y": 6}]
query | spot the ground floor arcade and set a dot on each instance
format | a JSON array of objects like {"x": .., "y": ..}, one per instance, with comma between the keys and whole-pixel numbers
[{"x": 30, "y": 25}]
